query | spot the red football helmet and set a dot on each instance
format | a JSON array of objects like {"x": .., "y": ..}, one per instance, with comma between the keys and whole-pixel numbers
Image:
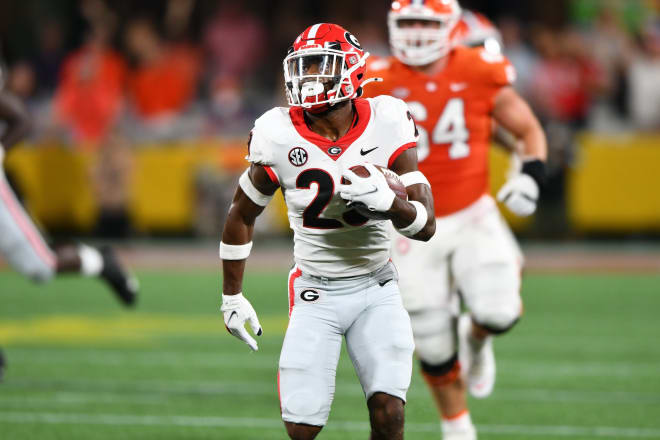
[
  {"x": 325, "y": 65},
  {"x": 421, "y": 44}
]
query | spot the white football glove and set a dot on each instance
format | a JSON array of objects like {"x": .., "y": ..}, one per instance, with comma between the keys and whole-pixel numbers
[
  {"x": 372, "y": 191},
  {"x": 520, "y": 194},
  {"x": 236, "y": 310}
]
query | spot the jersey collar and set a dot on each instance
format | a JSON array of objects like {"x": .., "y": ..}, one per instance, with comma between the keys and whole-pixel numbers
[{"x": 362, "y": 118}]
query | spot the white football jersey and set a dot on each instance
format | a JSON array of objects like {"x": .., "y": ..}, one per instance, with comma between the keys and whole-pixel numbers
[{"x": 331, "y": 240}]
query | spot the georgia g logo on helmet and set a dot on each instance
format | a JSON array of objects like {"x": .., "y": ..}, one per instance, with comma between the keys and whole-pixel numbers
[
  {"x": 352, "y": 40},
  {"x": 325, "y": 65}
]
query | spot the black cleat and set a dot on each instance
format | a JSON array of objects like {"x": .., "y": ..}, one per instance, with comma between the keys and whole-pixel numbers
[
  {"x": 3, "y": 364},
  {"x": 124, "y": 285}
]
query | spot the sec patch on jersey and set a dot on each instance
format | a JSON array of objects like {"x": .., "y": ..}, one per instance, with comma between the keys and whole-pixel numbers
[{"x": 393, "y": 181}]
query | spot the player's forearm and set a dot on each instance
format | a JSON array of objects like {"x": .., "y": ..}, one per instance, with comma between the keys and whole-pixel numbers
[
  {"x": 232, "y": 276},
  {"x": 505, "y": 139},
  {"x": 235, "y": 246},
  {"x": 514, "y": 114},
  {"x": 535, "y": 146},
  {"x": 404, "y": 214}
]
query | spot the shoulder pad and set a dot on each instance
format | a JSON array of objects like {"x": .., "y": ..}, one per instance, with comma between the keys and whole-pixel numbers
[
  {"x": 491, "y": 68},
  {"x": 394, "y": 119},
  {"x": 388, "y": 108},
  {"x": 268, "y": 128}
]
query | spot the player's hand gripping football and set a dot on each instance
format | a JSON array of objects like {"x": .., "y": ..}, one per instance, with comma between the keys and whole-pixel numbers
[
  {"x": 520, "y": 194},
  {"x": 373, "y": 190},
  {"x": 236, "y": 310}
]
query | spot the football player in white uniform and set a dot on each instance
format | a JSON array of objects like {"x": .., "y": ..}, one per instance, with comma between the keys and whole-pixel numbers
[{"x": 343, "y": 283}]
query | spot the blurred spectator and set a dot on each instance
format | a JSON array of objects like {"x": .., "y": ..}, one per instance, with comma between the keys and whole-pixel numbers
[
  {"x": 565, "y": 77},
  {"x": 89, "y": 94},
  {"x": 518, "y": 52},
  {"x": 235, "y": 40},
  {"x": 48, "y": 59},
  {"x": 373, "y": 37},
  {"x": 610, "y": 46},
  {"x": 111, "y": 181},
  {"x": 178, "y": 15},
  {"x": 22, "y": 80},
  {"x": 164, "y": 80},
  {"x": 645, "y": 80}
]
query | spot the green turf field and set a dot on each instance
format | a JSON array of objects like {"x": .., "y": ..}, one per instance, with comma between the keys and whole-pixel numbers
[{"x": 584, "y": 363}]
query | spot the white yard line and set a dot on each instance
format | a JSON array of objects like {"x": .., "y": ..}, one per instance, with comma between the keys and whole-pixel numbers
[
  {"x": 275, "y": 424},
  {"x": 80, "y": 399},
  {"x": 131, "y": 389},
  {"x": 236, "y": 360}
]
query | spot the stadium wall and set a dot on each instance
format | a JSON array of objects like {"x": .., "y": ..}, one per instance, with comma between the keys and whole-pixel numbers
[{"x": 612, "y": 186}]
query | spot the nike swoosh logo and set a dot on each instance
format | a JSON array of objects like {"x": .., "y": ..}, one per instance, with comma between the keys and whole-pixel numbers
[
  {"x": 365, "y": 152},
  {"x": 382, "y": 283},
  {"x": 232, "y": 315}
]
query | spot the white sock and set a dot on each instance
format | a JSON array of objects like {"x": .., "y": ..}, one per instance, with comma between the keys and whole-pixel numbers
[
  {"x": 91, "y": 261},
  {"x": 460, "y": 423}
]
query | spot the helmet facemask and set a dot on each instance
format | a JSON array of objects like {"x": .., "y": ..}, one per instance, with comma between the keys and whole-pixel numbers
[
  {"x": 417, "y": 45},
  {"x": 319, "y": 77}
]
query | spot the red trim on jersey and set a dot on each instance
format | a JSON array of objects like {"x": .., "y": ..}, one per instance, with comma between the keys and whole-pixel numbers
[
  {"x": 363, "y": 116},
  {"x": 399, "y": 151},
  {"x": 272, "y": 175},
  {"x": 292, "y": 278},
  {"x": 25, "y": 225}
]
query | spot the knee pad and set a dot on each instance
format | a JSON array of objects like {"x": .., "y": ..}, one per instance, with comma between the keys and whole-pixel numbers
[
  {"x": 492, "y": 294},
  {"x": 498, "y": 318},
  {"x": 434, "y": 333},
  {"x": 443, "y": 373},
  {"x": 498, "y": 330}
]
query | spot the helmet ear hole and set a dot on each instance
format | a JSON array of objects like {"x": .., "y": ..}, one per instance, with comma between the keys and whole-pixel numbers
[{"x": 359, "y": 92}]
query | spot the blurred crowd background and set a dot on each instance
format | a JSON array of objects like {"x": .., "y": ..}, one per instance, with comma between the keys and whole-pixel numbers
[{"x": 141, "y": 109}]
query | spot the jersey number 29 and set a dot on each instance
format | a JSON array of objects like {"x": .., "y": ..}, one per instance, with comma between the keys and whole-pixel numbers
[{"x": 450, "y": 129}]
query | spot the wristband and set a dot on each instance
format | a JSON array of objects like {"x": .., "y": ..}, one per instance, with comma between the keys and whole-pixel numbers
[
  {"x": 251, "y": 191},
  {"x": 235, "y": 251},
  {"x": 419, "y": 222},
  {"x": 413, "y": 178},
  {"x": 535, "y": 168}
]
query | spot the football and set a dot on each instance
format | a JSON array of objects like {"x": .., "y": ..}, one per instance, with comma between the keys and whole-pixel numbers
[{"x": 393, "y": 181}]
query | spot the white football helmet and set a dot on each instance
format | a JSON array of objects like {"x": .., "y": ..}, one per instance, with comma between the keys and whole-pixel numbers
[{"x": 421, "y": 30}]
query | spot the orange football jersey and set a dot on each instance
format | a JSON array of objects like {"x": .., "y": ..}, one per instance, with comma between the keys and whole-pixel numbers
[{"x": 452, "y": 110}]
